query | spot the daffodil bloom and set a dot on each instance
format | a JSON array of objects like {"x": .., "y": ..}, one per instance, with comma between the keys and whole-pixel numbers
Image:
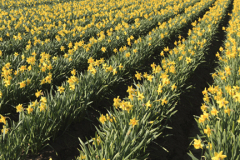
[
  {"x": 73, "y": 72},
  {"x": 42, "y": 107},
  {"x": 82, "y": 157},
  {"x": 16, "y": 54},
  {"x": 29, "y": 68},
  {"x": 7, "y": 83},
  {"x": 102, "y": 119},
  {"x": 19, "y": 108},
  {"x": 148, "y": 104},
  {"x": 197, "y": 144},
  {"x": 207, "y": 131},
  {"x": 133, "y": 122},
  {"x": 140, "y": 96},
  {"x": 130, "y": 90},
  {"x": 28, "y": 81},
  {"x": 214, "y": 111},
  {"x": 128, "y": 106},
  {"x": 61, "y": 89},
  {"x": 166, "y": 81},
  {"x": 164, "y": 101},
  {"x": 218, "y": 156},
  {"x": 222, "y": 103},
  {"x": 109, "y": 69},
  {"x": 138, "y": 75},
  {"x": 205, "y": 91},
  {"x": 120, "y": 66},
  {"x": 2, "y": 119},
  {"x": 103, "y": 49},
  {"x": 72, "y": 87},
  {"x": 145, "y": 75},
  {"x": 201, "y": 119},
  {"x": 115, "y": 50},
  {"x": 43, "y": 100},
  {"x": 237, "y": 97},
  {"x": 150, "y": 77},
  {"x": 172, "y": 69},
  {"x": 90, "y": 60},
  {"x": 173, "y": 87},
  {"x": 116, "y": 102},
  {"x": 127, "y": 55},
  {"x": 131, "y": 96},
  {"x": 29, "y": 109},
  {"x": 114, "y": 71},
  {"x": 227, "y": 111},
  {"x": 228, "y": 70},
  {"x": 4, "y": 130},
  {"x": 180, "y": 58},
  {"x": 205, "y": 115},
  {"x": 188, "y": 60},
  {"x": 22, "y": 84},
  {"x": 62, "y": 48}
]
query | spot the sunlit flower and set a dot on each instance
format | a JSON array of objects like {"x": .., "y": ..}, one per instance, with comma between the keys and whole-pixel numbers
[
  {"x": 29, "y": 109},
  {"x": 103, "y": 49},
  {"x": 218, "y": 156},
  {"x": 102, "y": 119},
  {"x": 19, "y": 108},
  {"x": 2, "y": 119},
  {"x": 38, "y": 93},
  {"x": 207, "y": 131},
  {"x": 197, "y": 144},
  {"x": 140, "y": 96},
  {"x": 133, "y": 122},
  {"x": 4, "y": 130},
  {"x": 22, "y": 84},
  {"x": 61, "y": 89},
  {"x": 138, "y": 75}
]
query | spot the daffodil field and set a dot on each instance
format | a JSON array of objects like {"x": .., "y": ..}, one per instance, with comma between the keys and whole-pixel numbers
[
  {"x": 220, "y": 120},
  {"x": 60, "y": 57}
]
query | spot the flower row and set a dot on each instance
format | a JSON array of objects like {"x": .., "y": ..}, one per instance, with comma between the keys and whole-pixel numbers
[{"x": 219, "y": 123}]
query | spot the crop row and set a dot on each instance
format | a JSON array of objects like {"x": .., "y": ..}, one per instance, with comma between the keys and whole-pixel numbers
[
  {"x": 141, "y": 117},
  {"x": 219, "y": 123},
  {"x": 44, "y": 117}
]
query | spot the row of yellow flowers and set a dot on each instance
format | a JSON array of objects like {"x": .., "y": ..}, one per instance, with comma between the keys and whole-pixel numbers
[
  {"x": 50, "y": 113},
  {"x": 219, "y": 123},
  {"x": 45, "y": 69},
  {"x": 141, "y": 117}
]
